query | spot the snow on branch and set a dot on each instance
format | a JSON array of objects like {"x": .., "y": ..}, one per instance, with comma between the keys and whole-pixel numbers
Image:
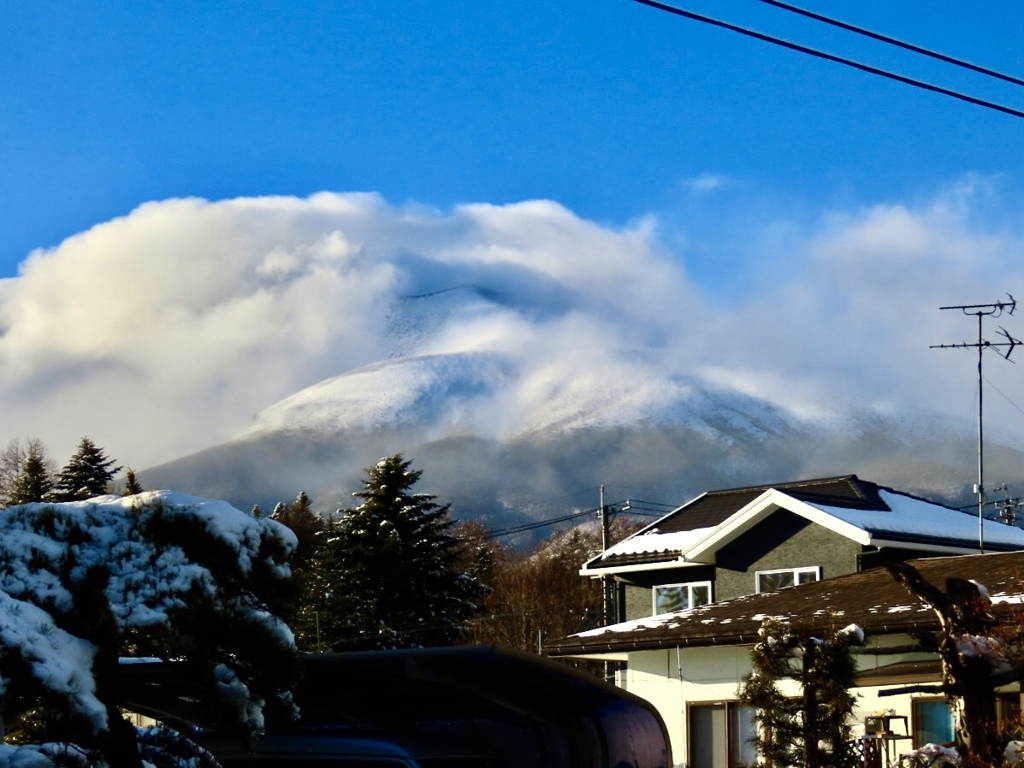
[{"x": 158, "y": 574}]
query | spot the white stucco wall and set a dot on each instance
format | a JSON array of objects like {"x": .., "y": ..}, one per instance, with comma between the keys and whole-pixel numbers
[{"x": 673, "y": 679}]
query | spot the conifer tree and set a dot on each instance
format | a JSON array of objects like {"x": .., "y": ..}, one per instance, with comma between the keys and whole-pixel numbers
[
  {"x": 390, "y": 568},
  {"x": 303, "y": 522},
  {"x": 131, "y": 484},
  {"x": 87, "y": 474},
  {"x": 308, "y": 580},
  {"x": 34, "y": 482},
  {"x": 15, "y": 458},
  {"x": 200, "y": 583},
  {"x": 812, "y": 730}
]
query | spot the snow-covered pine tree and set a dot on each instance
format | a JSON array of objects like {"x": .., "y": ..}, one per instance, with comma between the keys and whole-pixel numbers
[
  {"x": 159, "y": 575},
  {"x": 812, "y": 730},
  {"x": 777, "y": 715},
  {"x": 87, "y": 474},
  {"x": 390, "y": 568}
]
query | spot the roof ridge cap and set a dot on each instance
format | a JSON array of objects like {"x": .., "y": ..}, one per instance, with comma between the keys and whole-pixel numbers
[{"x": 787, "y": 485}]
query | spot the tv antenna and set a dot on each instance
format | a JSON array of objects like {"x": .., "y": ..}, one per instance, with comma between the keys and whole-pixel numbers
[{"x": 981, "y": 311}]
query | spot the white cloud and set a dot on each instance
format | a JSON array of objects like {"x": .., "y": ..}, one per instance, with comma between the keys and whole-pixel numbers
[
  {"x": 705, "y": 182},
  {"x": 166, "y": 330}
]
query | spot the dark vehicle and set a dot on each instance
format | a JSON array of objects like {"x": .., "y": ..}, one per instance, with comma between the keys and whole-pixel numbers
[{"x": 434, "y": 708}]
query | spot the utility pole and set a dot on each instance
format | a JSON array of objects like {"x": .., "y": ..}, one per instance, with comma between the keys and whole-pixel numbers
[
  {"x": 981, "y": 311},
  {"x": 608, "y": 612}
]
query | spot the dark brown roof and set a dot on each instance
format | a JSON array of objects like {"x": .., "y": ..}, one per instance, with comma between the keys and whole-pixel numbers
[
  {"x": 714, "y": 507},
  {"x": 873, "y": 600}
]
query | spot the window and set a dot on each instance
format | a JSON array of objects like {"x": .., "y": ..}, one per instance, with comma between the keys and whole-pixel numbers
[
  {"x": 721, "y": 735},
  {"x": 932, "y": 722},
  {"x": 1008, "y": 710},
  {"x": 769, "y": 581},
  {"x": 681, "y": 597}
]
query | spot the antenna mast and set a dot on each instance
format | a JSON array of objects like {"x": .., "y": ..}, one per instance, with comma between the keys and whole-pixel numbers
[{"x": 982, "y": 311}]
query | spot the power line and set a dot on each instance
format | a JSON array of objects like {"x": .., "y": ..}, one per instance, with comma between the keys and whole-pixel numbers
[
  {"x": 533, "y": 526},
  {"x": 833, "y": 58},
  {"x": 1004, "y": 396},
  {"x": 893, "y": 41},
  {"x": 619, "y": 507}
]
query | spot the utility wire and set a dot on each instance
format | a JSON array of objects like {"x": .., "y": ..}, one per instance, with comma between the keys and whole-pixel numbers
[
  {"x": 532, "y": 526},
  {"x": 832, "y": 57},
  {"x": 898, "y": 43},
  {"x": 574, "y": 516},
  {"x": 1005, "y": 397}
]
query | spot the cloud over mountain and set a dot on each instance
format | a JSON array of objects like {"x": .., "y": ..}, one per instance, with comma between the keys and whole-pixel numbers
[{"x": 169, "y": 329}]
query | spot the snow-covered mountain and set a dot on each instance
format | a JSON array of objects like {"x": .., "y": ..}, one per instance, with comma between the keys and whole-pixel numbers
[{"x": 512, "y": 431}]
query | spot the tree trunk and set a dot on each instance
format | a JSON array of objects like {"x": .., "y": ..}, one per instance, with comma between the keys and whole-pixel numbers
[
  {"x": 967, "y": 672},
  {"x": 811, "y": 736}
]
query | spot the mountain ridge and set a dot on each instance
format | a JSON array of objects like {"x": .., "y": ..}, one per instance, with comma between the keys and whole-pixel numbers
[{"x": 513, "y": 431}]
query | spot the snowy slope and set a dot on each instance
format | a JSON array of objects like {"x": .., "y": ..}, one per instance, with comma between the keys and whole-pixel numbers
[
  {"x": 488, "y": 383},
  {"x": 479, "y": 385}
]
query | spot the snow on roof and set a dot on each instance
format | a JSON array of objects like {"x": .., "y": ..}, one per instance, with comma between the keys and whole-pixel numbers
[
  {"x": 652, "y": 542},
  {"x": 907, "y": 516},
  {"x": 873, "y": 600},
  {"x": 635, "y": 625},
  {"x": 910, "y": 516}
]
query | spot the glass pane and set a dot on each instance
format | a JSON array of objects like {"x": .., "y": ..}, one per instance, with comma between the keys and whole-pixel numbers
[
  {"x": 742, "y": 732},
  {"x": 806, "y": 577},
  {"x": 769, "y": 582},
  {"x": 707, "y": 736},
  {"x": 700, "y": 595},
  {"x": 933, "y": 723},
  {"x": 668, "y": 599}
]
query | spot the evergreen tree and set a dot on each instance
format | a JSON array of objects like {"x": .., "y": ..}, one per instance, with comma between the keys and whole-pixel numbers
[
  {"x": 131, "y": 484},
  {"x": 306, "y": 572},
  {"x": 812, "y": 730},
  {"x": 777, "y": 738},
  {"x": 303, "y": 522},
  {"x": 390, "y": 565},
  {"x": 34, "y": 483},
  {"x": 86, "y": 475},
  {"x": 200, "y": 583},
  {"x": 14, "y": 489}
]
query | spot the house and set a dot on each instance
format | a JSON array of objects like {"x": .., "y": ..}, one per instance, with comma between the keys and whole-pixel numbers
[
  {"x": 738, "y": 541},
  {"x": 689, "y": 664},
  {"x": 684, "y": 587}
]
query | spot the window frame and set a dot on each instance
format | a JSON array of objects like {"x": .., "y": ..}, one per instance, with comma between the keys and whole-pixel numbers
[
  {"x": 815, "y": 569},
  {"x": 690, "y": 586}
]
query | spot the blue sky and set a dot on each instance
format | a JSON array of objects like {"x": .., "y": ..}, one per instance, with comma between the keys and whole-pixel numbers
[
  {"x": 611, "y": 108},
  {"x": 814, "y": 217}
]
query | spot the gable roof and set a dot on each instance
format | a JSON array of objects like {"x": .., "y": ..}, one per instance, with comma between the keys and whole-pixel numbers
[
  {"x": 872, "y": 599},
  {"x": 865, "y": 512}
]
